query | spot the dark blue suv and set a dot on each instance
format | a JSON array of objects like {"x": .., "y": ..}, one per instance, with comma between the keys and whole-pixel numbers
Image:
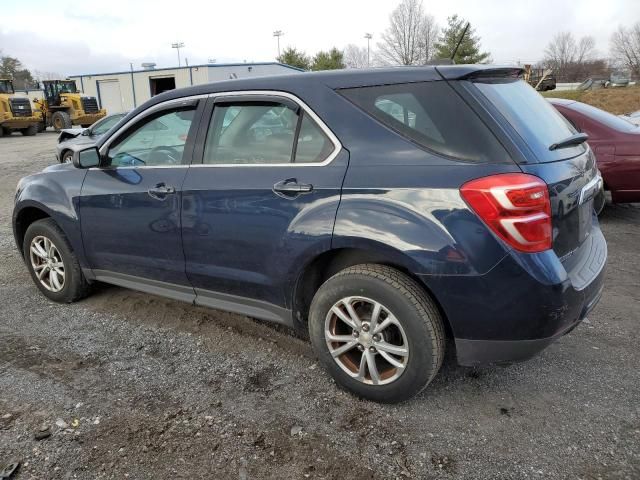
[{"x": 380, "y": 211}]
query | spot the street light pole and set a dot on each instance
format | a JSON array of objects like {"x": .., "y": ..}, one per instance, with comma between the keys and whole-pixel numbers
[
  {"x": 368, "y": 36},
  {"x": 178, "y": 46},
  {"x": 278, "y": 34}
]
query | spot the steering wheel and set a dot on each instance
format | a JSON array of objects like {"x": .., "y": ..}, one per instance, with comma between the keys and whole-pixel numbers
[{"x": 163, "y": 155}]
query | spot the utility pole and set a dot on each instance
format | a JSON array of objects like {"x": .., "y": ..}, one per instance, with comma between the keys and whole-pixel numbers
[
  {"x": 368, "y": 36},
  {"x": 278, "y": 34},
  {"x": 178, "y": 46}
]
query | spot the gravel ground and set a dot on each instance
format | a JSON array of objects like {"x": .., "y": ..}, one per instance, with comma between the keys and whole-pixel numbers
[{"x": 136, "y": 386}]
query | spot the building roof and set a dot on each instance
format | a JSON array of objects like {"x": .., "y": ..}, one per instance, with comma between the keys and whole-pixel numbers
[{"x": 186, "y": 67}]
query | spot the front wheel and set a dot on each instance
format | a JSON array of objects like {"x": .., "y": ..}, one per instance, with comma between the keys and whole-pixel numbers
[
  {"x": 377, "y": 332},
  {"x": 52, "y": 263},
  {"x": 67, "y": 157}
]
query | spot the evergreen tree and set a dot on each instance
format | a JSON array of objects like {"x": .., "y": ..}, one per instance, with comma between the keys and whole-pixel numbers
[
  {"x": 469, "y": 50},
  {"x": 295, "y": 58},
  {"x": 331, "y": 60}
]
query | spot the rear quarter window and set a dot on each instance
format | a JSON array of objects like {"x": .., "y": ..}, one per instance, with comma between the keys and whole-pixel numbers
[{"x": 432, "y": 115}]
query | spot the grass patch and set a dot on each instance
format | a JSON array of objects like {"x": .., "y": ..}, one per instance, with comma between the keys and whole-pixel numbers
[{"x": 615, "y": 100}]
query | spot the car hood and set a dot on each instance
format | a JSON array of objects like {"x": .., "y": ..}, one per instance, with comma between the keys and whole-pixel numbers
[
  {"x": 67, "y": 133},
  {"x": 59, "y": 167},
  {"x": 81, "y": 140}
]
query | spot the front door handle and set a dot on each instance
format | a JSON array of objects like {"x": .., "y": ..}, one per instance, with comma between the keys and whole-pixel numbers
[
  {"x": 160, "y": 191},
  {"x": 291, "y": 188}
]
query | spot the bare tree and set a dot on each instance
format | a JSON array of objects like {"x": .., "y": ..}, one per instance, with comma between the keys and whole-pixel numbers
[
  {"x": 567, "y": 58},
  {"x": 585, "y": 50},
  {"x": 355, "y": 56},
  {"x": 410, "y": 37},
  {"x": 430, "y": 32},
  {"x": 625, "y": 47}
]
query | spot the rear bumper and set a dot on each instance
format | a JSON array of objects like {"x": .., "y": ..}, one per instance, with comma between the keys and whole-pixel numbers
[
  {"x": 486, "y": 352},
  {"x": 523, "y": 304}
]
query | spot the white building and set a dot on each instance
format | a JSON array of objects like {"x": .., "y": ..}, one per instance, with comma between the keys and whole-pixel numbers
[{"x": 123, "y": 91}]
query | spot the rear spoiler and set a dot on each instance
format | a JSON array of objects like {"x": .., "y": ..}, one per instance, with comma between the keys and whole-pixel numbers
[{"x": 471, "y": 72}]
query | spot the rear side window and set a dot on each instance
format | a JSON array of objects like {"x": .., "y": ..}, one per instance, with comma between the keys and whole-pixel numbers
[
  {"x": 432, "y": 115},
  {"x": 264, "y": 133},
  {"x": 538, "y": 123}
]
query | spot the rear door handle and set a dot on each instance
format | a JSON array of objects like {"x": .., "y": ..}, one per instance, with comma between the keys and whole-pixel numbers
[
  {"x": 160, "y": 191},
  {"x": 290, "y": 187}
]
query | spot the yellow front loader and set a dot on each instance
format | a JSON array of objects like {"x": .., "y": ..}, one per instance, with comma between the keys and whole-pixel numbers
[
  {"x": 16, "y": 114},
  {"x": 63, "y": 106}
]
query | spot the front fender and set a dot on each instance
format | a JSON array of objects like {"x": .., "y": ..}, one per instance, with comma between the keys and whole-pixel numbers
[{"x": 56, "y": 192}]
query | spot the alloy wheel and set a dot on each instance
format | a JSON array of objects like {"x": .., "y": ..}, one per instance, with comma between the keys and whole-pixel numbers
[
  {"x": 47, "y": 263},
  {"x": 366, "y": 340}
]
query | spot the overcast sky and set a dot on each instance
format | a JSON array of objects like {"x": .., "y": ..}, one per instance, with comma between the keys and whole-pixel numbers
[{"x": 76, "y": 37}]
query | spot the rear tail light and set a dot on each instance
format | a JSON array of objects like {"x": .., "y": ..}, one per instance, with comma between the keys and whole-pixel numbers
[{"x": 515, "y": 206}]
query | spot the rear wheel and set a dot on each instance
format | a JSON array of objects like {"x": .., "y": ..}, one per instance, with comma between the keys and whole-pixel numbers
[
  {"x": 30, "y": 131},
  {"x": 377, "y": 332},
  {"x": 4, "y": 132},
  {"x": 61, "y": 120},
  {"x": 52, "y": 263},
  {"x": 42, "y": 126}
]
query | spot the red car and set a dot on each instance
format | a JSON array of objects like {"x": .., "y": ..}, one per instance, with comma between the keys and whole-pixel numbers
[{"x": 615, "y": 142}]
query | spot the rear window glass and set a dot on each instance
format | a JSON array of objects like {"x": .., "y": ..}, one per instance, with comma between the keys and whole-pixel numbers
[
  {"x": 432, "y": 115},
  {"x": 538, "y": 123}
]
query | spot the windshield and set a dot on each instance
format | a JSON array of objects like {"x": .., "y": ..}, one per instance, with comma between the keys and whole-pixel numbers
[
  {"x": 534, "y": 119},
  {"x": 606, "y": 118},
  {"x": 6, "y": 86},
  {"x": 67, "y": 87}
]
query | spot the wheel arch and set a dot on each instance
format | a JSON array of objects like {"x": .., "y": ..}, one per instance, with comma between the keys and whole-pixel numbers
[
  {"x": 328, "y": 263},
  {"x": 24, "y": 217},
  {"x": 63, "y": 153}
]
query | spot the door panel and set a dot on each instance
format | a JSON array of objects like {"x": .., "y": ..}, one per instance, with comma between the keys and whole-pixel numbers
[
  {"x": 242, "y": 238},
  {"x": 251, "y": 215},
  {"x": 130, "y": 207},
  {"x": 126, "y": 230}
]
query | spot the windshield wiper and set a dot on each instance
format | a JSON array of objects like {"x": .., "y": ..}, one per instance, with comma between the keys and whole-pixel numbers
[{"x": 576, "y": 139}]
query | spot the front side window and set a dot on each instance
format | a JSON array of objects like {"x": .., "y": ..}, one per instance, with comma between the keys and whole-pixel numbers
[
  {"x": 263, "y": 133},
  {"x": 157, "y": 141}
]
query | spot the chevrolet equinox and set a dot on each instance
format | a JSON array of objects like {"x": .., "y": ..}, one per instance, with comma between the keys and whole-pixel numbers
[{"x": 378, "y": 211}]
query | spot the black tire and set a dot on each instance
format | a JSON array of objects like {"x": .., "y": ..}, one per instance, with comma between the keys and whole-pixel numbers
[
  {"x": 86, "y": 125},
  {"x": 75, "y": 286},
  {"x": 67, "y": 157},
  {"x": 61, "y": 120},
  {"x": 410, "y": 304},
  {"x": 30, "y": 131},
  {"x": 42, "y": 126},
  {"x": 5, "y": 132}
]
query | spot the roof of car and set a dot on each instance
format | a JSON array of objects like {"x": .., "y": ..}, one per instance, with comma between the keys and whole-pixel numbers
[{"x": 336, "y": 79}]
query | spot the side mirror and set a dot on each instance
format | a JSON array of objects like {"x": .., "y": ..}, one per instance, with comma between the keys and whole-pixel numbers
[
  {"x": 86, "y": 158},
  {"x": 86, "y": 132}
]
